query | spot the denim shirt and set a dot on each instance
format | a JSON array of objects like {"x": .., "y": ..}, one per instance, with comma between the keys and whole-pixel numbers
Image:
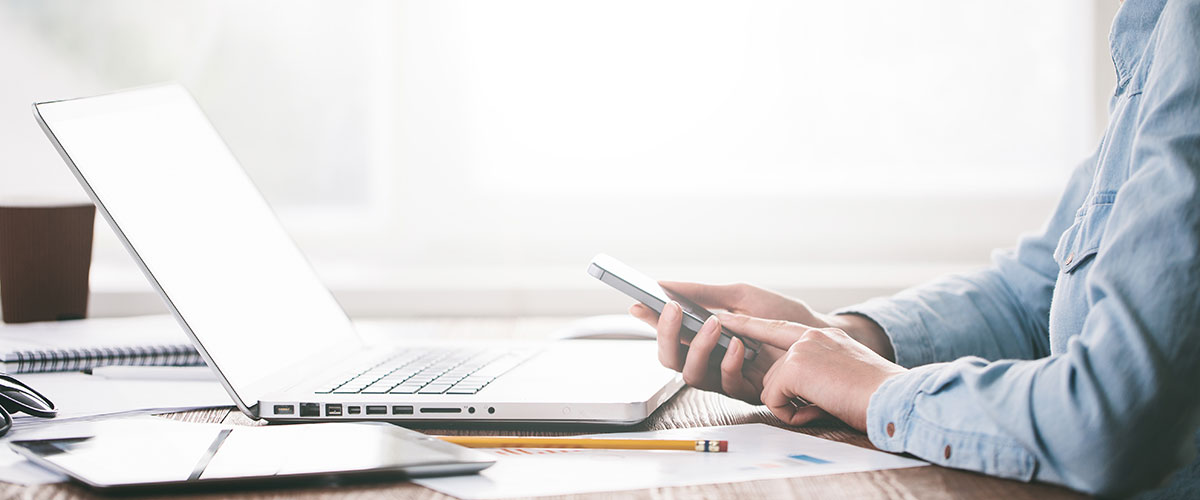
[{"x": 1075, "y": 358}]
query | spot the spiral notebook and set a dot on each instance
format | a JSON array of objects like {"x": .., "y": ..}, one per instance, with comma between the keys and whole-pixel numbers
[{"x": 82, "y": 344}]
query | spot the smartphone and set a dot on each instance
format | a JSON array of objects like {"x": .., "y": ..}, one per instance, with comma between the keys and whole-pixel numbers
[{"x": 645, "y": 290}]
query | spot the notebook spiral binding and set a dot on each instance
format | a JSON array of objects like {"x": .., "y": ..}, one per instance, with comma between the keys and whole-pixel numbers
[{"x": 60, "y": 360}]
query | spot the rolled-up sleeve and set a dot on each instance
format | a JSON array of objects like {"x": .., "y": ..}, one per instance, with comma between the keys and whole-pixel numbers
[
  {"x": 1114, "y": 411},
  {"x": 1001, "y": 312}
]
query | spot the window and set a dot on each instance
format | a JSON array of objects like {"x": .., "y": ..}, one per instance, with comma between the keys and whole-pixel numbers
[{"x": 464, "y": 147}]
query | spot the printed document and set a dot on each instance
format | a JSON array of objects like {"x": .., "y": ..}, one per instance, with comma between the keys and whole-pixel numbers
[{"x": 756, "y": 451}]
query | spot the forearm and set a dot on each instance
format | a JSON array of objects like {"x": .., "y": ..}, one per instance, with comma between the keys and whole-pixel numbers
[
  {"x": 866, "y": 331},
  {"x": 996, "y": 313},
  {"x": 970, "y": 314}
]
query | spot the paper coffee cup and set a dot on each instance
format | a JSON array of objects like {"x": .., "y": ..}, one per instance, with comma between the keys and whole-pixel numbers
[{"x": 45, "y": 259}]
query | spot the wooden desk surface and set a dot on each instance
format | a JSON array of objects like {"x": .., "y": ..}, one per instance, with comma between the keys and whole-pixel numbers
[{"x": 689, "y": 408}]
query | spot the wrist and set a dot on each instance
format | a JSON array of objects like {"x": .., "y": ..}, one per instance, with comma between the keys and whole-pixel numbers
[
  {"x": 860, "y": 417},
  {"x": 864, "y": 330}
]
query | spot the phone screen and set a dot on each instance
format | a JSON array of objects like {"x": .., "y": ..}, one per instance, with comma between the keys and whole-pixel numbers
[{"x": 648, "y": 292}]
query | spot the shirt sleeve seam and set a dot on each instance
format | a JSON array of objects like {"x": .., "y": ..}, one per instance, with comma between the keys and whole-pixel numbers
[{"x": 993, "y": 439}]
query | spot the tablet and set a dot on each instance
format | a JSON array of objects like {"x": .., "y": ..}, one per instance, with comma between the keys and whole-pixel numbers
[
  {"x": 137, "y": 454},
  {"x": 647, "y": 291}
]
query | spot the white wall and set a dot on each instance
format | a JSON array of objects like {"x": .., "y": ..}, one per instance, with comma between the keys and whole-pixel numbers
[{"x": 461, "y": 157}]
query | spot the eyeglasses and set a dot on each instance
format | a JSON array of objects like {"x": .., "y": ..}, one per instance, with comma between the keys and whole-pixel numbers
[{"x": 15, "y": 397}]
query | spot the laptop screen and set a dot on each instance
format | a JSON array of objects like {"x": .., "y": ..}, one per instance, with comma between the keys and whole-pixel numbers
[{"x": 205, "y": 236}]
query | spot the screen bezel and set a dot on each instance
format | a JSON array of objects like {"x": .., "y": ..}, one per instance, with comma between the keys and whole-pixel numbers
[
  {"x": 647, "y": 291},
  {"x": 245, "y": 394}
]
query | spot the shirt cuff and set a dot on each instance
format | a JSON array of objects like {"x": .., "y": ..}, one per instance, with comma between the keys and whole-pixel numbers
[
  {"x": 941, "y": 431},
  {"x": 910, "y": 340},
  {"x": 890, "y": 410}
]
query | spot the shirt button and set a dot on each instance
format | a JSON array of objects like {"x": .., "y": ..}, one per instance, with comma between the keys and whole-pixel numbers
[
  {"x": 946, "y": 453},
  {"x": 891, "y": 429},
  {"x": 1070, "y": 258}
]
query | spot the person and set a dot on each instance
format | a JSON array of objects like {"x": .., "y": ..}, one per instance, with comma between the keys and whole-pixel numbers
[{"x": 1073, "y": 359}]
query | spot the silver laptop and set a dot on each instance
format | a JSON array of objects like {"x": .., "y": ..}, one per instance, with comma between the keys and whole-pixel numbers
[{"x": 279, "y": 342}]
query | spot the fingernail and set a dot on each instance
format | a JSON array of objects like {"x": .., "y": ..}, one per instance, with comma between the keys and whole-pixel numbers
[
  {"x": 670, "y": 310},
  {"x": 710, "y": 324},
  {"x": 725, "y": 316}
]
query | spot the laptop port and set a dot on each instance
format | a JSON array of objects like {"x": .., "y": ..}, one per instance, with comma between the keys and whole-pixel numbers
[
  {"x": 402, "y": 410},
  {"x": 285, "y": 410},
  {"x": 441, "y": 410},
  {"x": 310, "y": 409},
  {"x": 377, "y": 410},
  {"x": 333, "y": 410},
  {"x": 353, "y": 410}
]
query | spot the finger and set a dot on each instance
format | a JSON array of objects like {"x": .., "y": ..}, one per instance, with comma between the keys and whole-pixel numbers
[
  {"x": 775, "y": 332},
  {"x": 802, "y": 415},
  {"x": 644, "y": 313},
  {"x": 709, "y": 296},
  {"x": 733, "y": 382},
  {"x": 695, "y": 368},
  {"x": 779, "y": 394},
  {"x": 670, "y": 352}
]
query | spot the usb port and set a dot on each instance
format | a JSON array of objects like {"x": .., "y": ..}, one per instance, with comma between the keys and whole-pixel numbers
[
  {"x": 310, "y": 409},
  {"x": 377, "y": 410},
  {"x": 285, "y": 410},
  {"x": 333, "y": 410},
  {"x": 402, "y": 410},
  {"x": 353, "y": 410}
]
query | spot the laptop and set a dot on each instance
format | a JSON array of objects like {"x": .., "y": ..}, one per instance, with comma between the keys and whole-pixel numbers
[{"x": 278, "y": 341}]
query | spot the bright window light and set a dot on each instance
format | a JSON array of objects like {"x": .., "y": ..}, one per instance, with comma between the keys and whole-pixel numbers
[{"x": 460, "y": 145}]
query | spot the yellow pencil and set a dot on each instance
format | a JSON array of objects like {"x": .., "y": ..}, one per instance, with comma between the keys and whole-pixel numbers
[{"x": 705, "y": 445}]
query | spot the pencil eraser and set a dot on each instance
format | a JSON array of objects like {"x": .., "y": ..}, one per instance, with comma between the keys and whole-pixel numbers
[{"x": 722, "y": 445}]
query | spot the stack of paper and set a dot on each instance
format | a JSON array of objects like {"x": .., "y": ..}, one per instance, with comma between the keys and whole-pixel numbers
[{"x": 756, "y": 451}]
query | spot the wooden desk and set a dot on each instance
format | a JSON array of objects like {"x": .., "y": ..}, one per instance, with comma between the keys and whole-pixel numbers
[{"x": 689, "y": 408}]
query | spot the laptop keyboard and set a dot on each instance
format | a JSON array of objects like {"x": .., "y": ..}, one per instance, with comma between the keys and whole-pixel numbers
[{"x": 426, "y": 371}]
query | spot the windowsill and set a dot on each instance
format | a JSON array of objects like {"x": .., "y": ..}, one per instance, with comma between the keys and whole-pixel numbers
[{"x": 375, "y": 293}]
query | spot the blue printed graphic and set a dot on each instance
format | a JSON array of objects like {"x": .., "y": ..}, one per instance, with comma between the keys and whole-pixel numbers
[{"x": 810, "y": 459}]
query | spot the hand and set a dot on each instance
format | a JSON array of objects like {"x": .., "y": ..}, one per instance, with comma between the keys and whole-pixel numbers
[
  {"x": 732, "y": 376},
  {"x": 824, "y": 366}
]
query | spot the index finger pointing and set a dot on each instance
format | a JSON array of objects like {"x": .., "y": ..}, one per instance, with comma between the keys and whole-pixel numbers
[{"x": 778, "y": 333}]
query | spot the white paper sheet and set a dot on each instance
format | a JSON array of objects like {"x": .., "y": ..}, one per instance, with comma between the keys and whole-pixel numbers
[
  {"x": 756, "y": 451},
  {"x": 134, "y": 330},
  {"x": 78, "y": 395}
]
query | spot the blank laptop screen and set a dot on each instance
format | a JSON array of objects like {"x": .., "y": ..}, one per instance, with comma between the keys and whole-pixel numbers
[{"x": 201, "y": 229}]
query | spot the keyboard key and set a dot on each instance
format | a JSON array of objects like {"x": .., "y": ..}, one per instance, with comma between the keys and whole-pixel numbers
[
  {"x": 434, "y": 389},
  {"x": 426, "y": 372},
  {"x": 497, "y": 368}
]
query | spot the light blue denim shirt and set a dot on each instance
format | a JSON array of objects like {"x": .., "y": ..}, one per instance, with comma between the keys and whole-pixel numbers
[{"x": 1075, "y": 358}]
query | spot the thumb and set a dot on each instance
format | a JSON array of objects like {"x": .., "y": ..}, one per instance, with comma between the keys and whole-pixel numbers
[{"x": 775, "y": 332}]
